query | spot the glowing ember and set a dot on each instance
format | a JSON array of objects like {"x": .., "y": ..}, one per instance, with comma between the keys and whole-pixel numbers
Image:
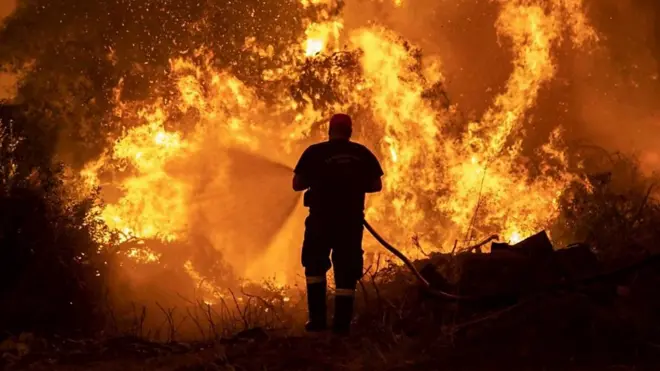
[
  {"x": 209, "y": 292},
  {"x": 314, "y": 47},
  {"x": 320, "y": 36},
  {"x": 143, "y": 255},
  {"x": 515, "y": 238}
]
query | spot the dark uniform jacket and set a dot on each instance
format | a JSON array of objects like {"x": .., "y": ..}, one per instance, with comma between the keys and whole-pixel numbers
[{"x": 339, "y": 173}]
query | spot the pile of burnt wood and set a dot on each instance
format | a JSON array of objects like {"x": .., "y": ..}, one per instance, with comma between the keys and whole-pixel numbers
[{"x": 528, "y": 267}]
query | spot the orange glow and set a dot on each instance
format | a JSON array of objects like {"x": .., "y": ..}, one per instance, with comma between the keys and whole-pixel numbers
[
  {"x": 320, "y": 36},
  {"x": 473, "y": 184}
]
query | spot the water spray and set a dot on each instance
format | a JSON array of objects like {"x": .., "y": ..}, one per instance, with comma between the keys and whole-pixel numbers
[{"x": 243, "y": 156}]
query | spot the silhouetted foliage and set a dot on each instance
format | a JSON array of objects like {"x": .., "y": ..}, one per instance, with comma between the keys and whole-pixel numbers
[
  {"x": 76, "y": 62},
  {"x": 51, "y": 270},
  {"x": 615, "y": 211}
]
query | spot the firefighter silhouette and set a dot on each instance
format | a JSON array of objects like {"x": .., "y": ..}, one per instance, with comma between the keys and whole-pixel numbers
[{"x": 336, "y": 175}]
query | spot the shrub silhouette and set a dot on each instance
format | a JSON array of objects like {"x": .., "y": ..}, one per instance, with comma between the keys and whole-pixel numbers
[{"x": 52, "y": 272}]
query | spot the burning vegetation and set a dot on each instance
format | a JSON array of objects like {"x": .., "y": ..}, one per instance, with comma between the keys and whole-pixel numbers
[
  {"x": 177, "y": 122},
  {"x": 447, "y": 178}
]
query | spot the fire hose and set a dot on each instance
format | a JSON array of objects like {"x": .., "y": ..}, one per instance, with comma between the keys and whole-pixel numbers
[
  {"x": 647, "y": 261},
  {"x": 243, "y": 156},
  {"x": 425, "y": 284}
]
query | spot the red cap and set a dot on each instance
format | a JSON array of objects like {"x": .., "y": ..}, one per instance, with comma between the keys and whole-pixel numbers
[{"x": 341, "y": 121}]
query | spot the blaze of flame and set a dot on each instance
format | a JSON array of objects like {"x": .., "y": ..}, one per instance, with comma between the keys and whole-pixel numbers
[
  {"x": 153, "y": 205},
  {"x": 410, "y": 131},
  {"x": 210, "y": 293},
  {"x": 308, "y": 3},
  {"x": 143, "y": 255},
  {"x": 473, "y": 182}
]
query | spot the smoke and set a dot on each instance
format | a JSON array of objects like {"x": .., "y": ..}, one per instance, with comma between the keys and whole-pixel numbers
[
  {"x": 605, "y": 95},
  {"x": 617, "y": 87},
  {"x": 243, "y": 209},
  {"x": 7, "y": 81}
]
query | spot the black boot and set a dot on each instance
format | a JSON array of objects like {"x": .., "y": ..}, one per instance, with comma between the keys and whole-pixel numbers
[
  {"x": 341, "y": 323},
  {"x": 316, "y": 306}
]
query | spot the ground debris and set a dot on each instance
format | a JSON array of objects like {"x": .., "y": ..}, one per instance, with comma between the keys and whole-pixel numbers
[
  {"x": 592, "y": 320},
  {"x": 510, "y": 270},
  {"x": 68, "y": 353}
]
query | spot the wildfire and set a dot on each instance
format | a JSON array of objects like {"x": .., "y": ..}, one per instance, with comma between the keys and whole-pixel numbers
[
  {"x": 153, "y": 203},
  {"x": 455, "y": 185},
  {"x": 321, "y": 36},
  {"x": 143, "y": 255},
  {"x": 308, "y": 3}
]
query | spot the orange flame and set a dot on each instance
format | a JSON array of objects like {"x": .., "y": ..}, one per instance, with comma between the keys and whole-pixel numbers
[{"x": 434, "y": 183}]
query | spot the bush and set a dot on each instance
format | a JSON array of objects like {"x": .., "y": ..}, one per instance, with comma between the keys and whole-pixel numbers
[
  {"x": 616, "y": 212},
  {"x": 52, "y": 271}
]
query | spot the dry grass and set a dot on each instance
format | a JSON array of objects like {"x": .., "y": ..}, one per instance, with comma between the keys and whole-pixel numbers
[
  {"x": 397, "y": 328},
  {"x": 604, "y": 324}
]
